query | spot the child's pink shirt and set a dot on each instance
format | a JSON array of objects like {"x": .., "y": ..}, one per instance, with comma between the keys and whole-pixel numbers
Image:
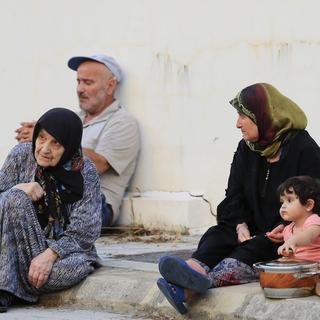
[{"x": 311, "y": 251}]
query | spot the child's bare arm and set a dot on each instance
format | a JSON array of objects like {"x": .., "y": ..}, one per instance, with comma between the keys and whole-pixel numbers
[
  {"x": 301, "y": 239},
  {"x": 307, "y": 236}
]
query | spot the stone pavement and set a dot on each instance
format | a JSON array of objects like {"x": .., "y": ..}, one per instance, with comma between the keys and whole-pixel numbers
[{"x": 127, "y": 284}]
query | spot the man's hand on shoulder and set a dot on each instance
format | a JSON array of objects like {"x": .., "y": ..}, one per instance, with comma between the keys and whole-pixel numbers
[
  {"x": 25, "y": 132},
  {"x": 99, "y": 161}
]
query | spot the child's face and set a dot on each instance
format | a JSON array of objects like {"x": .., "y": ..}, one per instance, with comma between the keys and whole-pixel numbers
[{"x": 291, "y": 208}]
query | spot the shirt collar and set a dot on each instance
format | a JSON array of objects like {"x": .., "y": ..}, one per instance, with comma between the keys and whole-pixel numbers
[{"x": 114, "y": 106}]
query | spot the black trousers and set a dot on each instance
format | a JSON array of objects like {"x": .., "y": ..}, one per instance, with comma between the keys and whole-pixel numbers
[{"x": 220, "y": 242}]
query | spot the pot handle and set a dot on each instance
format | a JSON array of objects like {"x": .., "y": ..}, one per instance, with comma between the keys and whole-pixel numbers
[
  {"x": 257, "y": 266},
  {"x": 306, "y": 274}
]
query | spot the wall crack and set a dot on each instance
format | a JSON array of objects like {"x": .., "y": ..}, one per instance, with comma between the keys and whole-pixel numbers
[{"x": 205, "y": 200}]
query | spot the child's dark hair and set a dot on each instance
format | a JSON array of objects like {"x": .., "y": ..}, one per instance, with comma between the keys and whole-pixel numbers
[{"x": 305, "y": 188}]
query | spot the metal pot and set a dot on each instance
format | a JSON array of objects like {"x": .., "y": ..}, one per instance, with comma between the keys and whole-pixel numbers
[{"x": 288, "y": 278}]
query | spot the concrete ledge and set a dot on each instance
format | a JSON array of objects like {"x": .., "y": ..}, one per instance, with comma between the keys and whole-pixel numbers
[
  {"x": 170, "y": 211},
  {"x": 134, "y": 289}
]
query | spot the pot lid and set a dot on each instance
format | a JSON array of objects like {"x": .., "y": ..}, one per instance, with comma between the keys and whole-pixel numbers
[{"x": 287, "y": 265}]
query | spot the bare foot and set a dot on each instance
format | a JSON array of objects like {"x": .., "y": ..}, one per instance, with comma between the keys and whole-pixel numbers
[
  {"x": 190, "y": 294},
  {"x": 196, "y": 266}
]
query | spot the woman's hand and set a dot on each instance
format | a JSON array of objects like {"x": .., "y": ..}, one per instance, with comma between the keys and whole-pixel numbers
[
  {"x": 243, "y": 232},
  {"x": 32, "y": 189},
  {"x": 40, "y": 268},
  {"x": 276, "y": 235}
]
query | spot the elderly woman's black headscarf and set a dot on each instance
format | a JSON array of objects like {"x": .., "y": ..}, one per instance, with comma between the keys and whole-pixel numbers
[{"x": 62, "y": 183}]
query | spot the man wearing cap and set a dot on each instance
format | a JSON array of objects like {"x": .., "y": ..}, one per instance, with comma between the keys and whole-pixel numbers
[{"x": 110, "y": 134}]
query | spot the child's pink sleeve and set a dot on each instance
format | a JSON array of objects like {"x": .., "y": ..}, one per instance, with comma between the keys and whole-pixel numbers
[{"x": 314, "y": 219}]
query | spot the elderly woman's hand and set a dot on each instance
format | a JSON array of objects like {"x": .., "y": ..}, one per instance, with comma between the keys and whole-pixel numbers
[
  {"x": 40, "y": 267},
  {"x": 32, "y": 189},
  {"x": 243, "y": 232}
]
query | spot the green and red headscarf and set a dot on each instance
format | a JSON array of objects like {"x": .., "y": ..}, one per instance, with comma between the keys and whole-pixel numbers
[{"x": 274, "y": 114}]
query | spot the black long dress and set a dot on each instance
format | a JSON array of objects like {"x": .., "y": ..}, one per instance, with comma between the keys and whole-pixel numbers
[{"x": 252, "y": 197}]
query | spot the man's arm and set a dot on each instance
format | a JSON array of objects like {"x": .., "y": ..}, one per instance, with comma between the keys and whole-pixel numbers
[
  {"x": 99, "y": 161},
  {"x": 118, "y": 144}
]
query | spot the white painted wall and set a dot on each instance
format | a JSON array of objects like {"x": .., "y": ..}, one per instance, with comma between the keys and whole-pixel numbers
[{"x": 183, "y": 61}]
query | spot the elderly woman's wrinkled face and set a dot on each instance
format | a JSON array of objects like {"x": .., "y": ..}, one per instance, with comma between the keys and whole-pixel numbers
[
  {"x": 248, "y": 128},
  {"x": 48, "y": 151}
]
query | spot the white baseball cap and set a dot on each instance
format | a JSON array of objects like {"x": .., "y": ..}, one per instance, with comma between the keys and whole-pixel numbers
[{"x": 108, "y": 61}]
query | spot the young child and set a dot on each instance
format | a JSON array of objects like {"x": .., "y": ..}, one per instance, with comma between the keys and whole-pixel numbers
[{"x": 300, "y": 198}]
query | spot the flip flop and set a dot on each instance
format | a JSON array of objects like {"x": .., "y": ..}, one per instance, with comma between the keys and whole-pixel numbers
[
  {"x": 174, "y": 294},
  {"x": 177, "y": 271}
]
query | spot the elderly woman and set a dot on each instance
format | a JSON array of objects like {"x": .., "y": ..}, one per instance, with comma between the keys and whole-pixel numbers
[
  {"x": 50, "y": 204},
  {"x": 274, "y": 147}
]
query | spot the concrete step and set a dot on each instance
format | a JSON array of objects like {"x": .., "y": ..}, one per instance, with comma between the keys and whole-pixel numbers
[
  {"x": 170, "y": 211},
  {"x": 125, "y": 285}
]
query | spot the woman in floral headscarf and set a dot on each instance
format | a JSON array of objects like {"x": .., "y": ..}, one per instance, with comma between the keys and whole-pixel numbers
[
  {"x": 275, "y": 146},
  {"x": 50, "y": 206}
]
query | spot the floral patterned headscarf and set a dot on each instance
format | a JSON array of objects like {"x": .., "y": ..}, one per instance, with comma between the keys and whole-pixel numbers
[
  {"x": 62, "y": 183},
  {"x": 274, "y": 114}
]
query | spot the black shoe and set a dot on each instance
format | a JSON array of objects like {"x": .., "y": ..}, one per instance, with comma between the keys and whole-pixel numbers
[{"x": 6, "y": 299}]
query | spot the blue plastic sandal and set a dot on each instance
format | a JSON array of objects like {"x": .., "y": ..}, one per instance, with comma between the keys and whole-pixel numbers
[
  {"x": 177, "y": 271},
  {"x": 174, "y": 294}
]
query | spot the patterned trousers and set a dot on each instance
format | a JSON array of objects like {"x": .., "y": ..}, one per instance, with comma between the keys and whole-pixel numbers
[
  {"x": 230, "y": 272},
  {"x": 22, "y": 239}
]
